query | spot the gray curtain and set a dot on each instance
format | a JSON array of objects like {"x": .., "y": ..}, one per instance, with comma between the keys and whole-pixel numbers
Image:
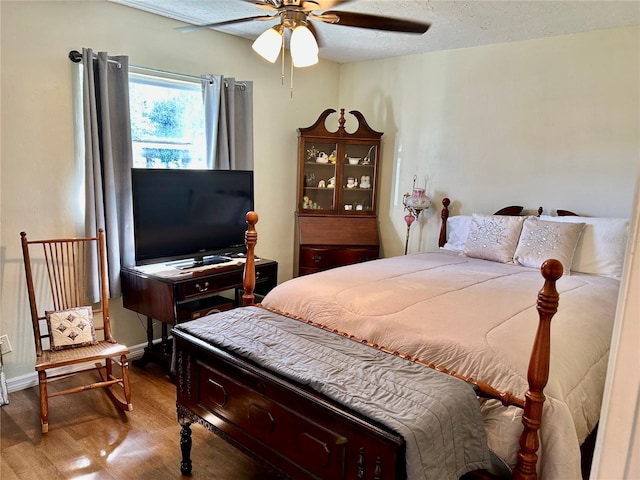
[
  {"x": 211, "y": 93},
  {"x": 229, "y": 122},
  {"x": 108, "y": 158}
]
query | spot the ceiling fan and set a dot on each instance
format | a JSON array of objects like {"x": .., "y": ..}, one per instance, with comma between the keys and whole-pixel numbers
[{"x": 295, "y": 16}]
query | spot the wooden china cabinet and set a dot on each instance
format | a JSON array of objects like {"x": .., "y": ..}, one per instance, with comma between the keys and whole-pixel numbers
[{"x": 337, "y": 194}]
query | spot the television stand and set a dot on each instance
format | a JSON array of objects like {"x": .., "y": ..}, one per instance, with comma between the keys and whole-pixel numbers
[{"x": 172, "y": 296}]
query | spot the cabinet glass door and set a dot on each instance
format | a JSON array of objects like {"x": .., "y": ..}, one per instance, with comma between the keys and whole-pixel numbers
[
  {"x": 358, "y": 177},
  {"x": 319, "y": 176}
]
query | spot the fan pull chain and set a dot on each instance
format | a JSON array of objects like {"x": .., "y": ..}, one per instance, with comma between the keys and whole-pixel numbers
[
  {"x": 282, "y": 55},
  {"x": 291, "y": 80}
]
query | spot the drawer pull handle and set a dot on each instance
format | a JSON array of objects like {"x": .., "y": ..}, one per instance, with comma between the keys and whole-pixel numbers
[
  {"x": 217, "y": 393},
  {"x": 202, "y": 289},
  {"x": 316, "y": 258}
]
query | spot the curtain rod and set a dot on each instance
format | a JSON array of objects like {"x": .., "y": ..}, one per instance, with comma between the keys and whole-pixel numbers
[{"x": 76, "y": 57}]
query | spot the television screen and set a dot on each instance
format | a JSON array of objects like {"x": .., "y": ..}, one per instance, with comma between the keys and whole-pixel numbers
[{"x": 189, "y": 214}]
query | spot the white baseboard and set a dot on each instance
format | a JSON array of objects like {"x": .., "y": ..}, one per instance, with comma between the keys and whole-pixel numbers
[{"x": 31, "y": 380}]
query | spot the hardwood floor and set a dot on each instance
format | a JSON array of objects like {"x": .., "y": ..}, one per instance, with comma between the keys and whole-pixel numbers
[{"x": 90, "y": 438}]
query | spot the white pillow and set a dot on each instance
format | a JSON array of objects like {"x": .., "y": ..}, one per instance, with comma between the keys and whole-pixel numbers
[
  {"x": 601, "y": 249},
  {"x": 457, "y": 232},
  {"x": 493, "y": 237},
  {"x": 541, "y": 240}
]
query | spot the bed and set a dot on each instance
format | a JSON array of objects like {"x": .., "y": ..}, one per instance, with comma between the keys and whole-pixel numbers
[{"x": 306, "y": 423}]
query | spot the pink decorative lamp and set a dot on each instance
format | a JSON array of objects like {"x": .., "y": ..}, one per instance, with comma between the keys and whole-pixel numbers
[{"x": 414, "y": 202}]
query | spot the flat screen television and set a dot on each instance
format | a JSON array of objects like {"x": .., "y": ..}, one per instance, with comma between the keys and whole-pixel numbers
[{"x": 190, "y": 217}]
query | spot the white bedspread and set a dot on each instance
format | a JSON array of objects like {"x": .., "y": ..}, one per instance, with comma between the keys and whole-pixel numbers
[{"x": 478, "y": 318}]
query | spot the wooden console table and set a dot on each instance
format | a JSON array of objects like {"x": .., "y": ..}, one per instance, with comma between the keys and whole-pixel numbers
[{"x": 172, "y": 296}]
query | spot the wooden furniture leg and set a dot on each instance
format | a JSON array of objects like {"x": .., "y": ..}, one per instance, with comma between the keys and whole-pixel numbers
[
  {"x": 149, "y": 332},
  {"x": 44, "y": 401},
  {"x": 185, "y": 447},
  {"x": 166, "y": 345},
  {"x": 159, "y": 354}
]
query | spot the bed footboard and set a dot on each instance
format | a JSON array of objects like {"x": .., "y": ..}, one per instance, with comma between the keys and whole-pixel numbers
[{"x": 283, "y": 424}]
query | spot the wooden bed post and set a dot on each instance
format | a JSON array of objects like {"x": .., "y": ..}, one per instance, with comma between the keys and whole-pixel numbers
[
  {"x": 249, "y": 275},
  {"x": 538, "y": 373},
  {"x": 443, "y": 226}
]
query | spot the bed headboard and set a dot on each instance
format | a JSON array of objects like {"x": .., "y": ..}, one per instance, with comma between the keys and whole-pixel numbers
[{"x": 566, "y": 213}]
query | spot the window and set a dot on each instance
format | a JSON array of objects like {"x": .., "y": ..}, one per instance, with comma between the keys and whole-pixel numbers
[{"x": 167, "y": 122}]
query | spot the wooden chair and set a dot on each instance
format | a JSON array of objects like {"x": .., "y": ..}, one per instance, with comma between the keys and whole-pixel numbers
[{"x": 58, "y": 274}]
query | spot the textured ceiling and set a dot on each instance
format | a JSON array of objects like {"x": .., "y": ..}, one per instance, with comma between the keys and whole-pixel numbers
[{"x": 455, "y": 24}]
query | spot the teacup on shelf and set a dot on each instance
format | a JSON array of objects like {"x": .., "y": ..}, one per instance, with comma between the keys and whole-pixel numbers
[
  {"x": 322, "y": 158},
  {"x": 354, "y": 160}
]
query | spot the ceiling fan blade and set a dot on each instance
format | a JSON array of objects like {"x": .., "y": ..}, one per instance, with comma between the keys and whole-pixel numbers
[
  {"x": 314, "y": 32},
  {"x": 375, "y": 22},
  {"x": 270, "y": 5},
  {"x": 192, "y": 28},
  {"x": 309, "y": 5}
]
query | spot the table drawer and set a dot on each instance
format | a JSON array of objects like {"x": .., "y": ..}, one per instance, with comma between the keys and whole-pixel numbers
[
  {"x": 308, "y": 271},
  {"x": 266, "y": 278},
  {"x": 320, "y": 258},
  {"x": 348, "y": 256},
  {"x": 203, "y": 286}
]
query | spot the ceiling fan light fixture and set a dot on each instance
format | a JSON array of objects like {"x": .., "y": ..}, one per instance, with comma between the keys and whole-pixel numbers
[
  {"x": 303, "y": 46},
  {"x": 268, "y": 44}
]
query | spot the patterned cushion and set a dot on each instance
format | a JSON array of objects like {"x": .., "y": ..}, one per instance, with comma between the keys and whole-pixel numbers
[
  {"x": 541, "y": 240},
  {"x": 71, "y": 328},
  {"x": 493, "y": 237}
]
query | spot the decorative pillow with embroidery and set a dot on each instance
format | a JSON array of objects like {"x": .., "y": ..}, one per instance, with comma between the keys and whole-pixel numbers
[
  {"x": 541, "y": 240},
  {"x": 493, "y": 237},
  {"x": 71, "y": 328}
]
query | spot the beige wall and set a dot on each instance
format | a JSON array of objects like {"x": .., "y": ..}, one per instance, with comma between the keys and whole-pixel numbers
[
  {"x": 550, "y": 123},
  {"x": 39, "y": 187}
]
